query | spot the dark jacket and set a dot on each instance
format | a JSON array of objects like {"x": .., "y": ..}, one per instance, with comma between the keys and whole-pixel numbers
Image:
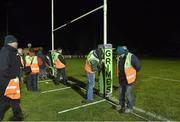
[
  {"x": 134, "y": 62},
  {"x": 9, "y": 66},
  {"x": 19, "y": 56},
  {"x": 94, "y": 63}
]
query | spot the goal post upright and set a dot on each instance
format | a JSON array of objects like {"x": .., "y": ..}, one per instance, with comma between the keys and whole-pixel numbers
[
  {"x": 52, "y": 24},
  {"x": 105, "y": 21},
  {"x": 106, "y": 83},
  {"x": 104, "y": 16},
  {"x": 108, "y": 70}
]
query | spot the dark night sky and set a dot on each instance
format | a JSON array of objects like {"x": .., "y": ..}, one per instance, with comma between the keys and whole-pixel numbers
[{"x": 146, "y": 27}]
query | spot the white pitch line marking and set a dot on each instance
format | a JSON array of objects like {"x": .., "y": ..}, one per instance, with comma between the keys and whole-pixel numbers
[
  {"x": 135, "y": 108},
  {"x": 53, "y": 90},
  {"x": 131, "y": 112},
  {"x": 137, "y": 115},
  {"x": 143, "y": 111},
  {"x": 151, "y": 114},
  {"x": 82, "y": 106},
  {"x": 43, "y": 81},
  {"x": 164, "y": 78}
]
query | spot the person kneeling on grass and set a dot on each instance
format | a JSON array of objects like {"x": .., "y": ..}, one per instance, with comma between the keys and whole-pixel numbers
[{"x": 128, "y": 66}]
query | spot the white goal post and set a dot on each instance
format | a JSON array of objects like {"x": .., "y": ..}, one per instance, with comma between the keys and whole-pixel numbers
[{"x": 104, "y": 6}]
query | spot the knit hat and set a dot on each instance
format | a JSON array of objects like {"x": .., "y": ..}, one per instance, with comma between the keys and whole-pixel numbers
[
  {"x": 120, "y": 50},
  {"x": 9, "y": 39},
  {"x": 99, "y": 53}
]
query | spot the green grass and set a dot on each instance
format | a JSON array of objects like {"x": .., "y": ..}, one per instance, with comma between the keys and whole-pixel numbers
[{"x": 157, "y": 96}]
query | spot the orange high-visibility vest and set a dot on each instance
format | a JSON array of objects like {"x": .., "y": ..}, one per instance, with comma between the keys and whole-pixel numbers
[
  {"x": 34, "y": 65},
  {"x": 59, "y": 64},
  {"x": 129, "y": 70},
  {"x": 12, "y": 90},
  {"x": 88, "y": 67}
]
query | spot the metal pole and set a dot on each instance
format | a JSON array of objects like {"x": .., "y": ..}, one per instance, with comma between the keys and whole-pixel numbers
[
  {"x": 80, "y": 17},
  {"x": 52, "y": 22},
  {"x": 105, "y": 21}
]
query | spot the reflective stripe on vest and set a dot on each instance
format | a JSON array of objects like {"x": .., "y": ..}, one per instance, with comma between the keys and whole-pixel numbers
[
  {"x": 88, "y": 67},
  {"x": 34, "y": 66},
  {"x": 129, "y": 69},
  {"x": 12, "y": 90}
]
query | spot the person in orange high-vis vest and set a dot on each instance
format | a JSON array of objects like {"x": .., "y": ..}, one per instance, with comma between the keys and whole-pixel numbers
[
  {"x": 92, "y": 65},
  {"x": 127, "y": 67},
  {"x": 9, "y": 81},
  {"x": 32, "y": 80},
  {"x": 60, "y": 64}
]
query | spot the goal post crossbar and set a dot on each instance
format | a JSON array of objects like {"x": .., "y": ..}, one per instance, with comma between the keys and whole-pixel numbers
[{"x": 78, "y": 18}]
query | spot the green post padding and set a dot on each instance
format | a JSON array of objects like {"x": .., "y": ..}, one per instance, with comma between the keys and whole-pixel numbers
[
  {"x": 101, "y": 82},
  {"x": 105, "y": 77},
  {"x": 108, "y": 70}
]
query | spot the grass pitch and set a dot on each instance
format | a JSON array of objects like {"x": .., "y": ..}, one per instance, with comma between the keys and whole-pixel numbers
[{"x": 156, "y": 91}]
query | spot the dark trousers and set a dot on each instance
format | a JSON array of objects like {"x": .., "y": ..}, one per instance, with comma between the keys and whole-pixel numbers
[
  {"x": 6, "y": 103},
  {"x": 126, "y": 90},
  {"x": 122, "y": 95},
  {"x": 61, "y": 74},
  {"x": 32, "y": 82}
]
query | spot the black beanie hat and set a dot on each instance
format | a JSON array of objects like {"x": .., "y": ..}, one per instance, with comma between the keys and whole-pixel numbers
[
  {"x": 99, "y": 53},
  {"x": 9, "y": 39}
]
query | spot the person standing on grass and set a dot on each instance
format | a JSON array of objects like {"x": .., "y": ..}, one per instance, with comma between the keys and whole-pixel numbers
[
  {"x": 91, "y": 66},
  {"x": 32, "y": 78},
  {"x": 127, "y": 67},
  {"x": 9, "y": 79},
  {"x": 42, "y": 66}
]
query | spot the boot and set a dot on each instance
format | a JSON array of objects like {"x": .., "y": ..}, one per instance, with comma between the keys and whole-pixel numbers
[{"x": 18, "y": 116}]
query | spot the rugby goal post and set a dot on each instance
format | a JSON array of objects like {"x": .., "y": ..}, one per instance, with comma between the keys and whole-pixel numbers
[{"x": 104, "y": 6}]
